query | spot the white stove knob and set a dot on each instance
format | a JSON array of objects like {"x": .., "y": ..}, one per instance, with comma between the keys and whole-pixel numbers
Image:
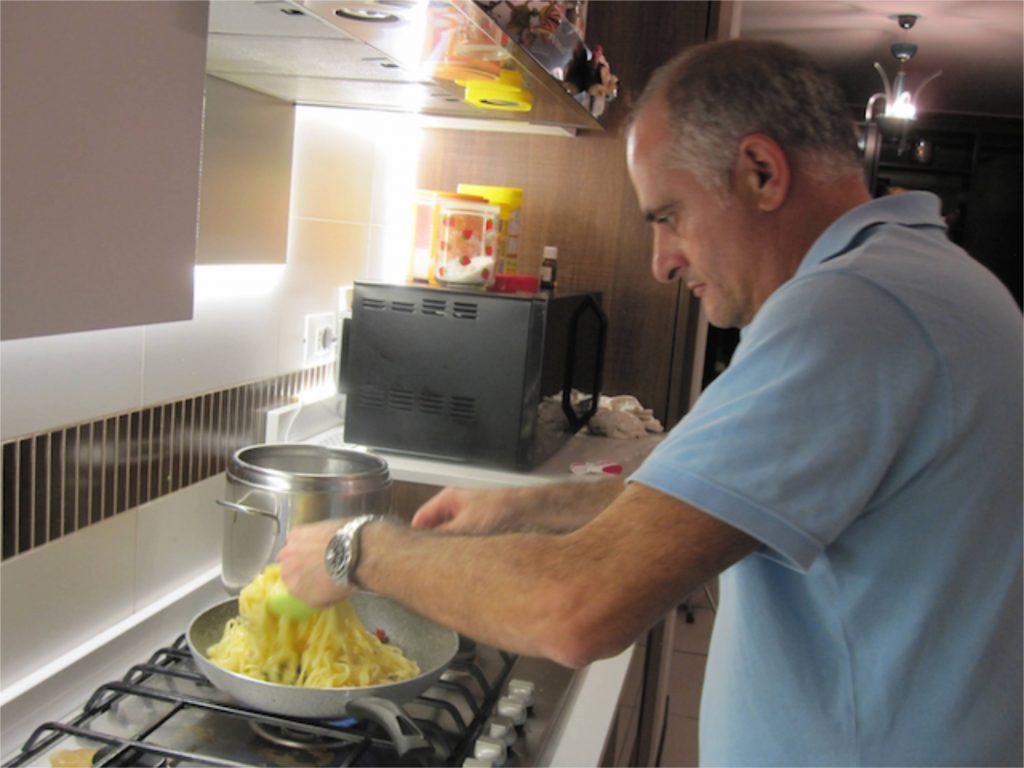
[
  {"x": 512, "y": 707},
  {"x": 491, "y": 749},
  {"x": 476, "y": 762},
  {"x": 501, "y": 727},
  {"x": 524, "y": 689}
]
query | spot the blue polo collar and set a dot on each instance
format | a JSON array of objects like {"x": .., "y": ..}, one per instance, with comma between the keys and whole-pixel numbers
[{"x": 911, "y": 209}]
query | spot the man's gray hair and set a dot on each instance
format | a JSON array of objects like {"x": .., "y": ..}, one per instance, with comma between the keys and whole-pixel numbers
[{"x": 717, "y": 93}]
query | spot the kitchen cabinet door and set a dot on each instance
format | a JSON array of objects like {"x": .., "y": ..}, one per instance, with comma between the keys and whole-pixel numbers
[
  {"x": 246, "y": 176},
  {"x": 102, "y": 132}
]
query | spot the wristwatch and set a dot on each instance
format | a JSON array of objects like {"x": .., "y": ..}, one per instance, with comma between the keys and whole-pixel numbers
[{"x": 342, "y": 554}]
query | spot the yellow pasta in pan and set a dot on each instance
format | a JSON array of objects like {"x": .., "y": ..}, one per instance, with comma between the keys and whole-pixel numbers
[{"x": 330, "y": 649}]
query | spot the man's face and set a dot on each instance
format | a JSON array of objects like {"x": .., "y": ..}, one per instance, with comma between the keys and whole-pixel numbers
[{"x": 702, "y": 236}]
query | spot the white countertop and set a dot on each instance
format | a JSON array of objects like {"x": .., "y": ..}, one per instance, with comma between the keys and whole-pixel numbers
[
  {"x": 581, "y": 448},
  {"x": 590, "y": 712}
]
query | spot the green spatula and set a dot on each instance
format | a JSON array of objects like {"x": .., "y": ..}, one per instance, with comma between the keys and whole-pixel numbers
[{"x": 283, "y": 603}]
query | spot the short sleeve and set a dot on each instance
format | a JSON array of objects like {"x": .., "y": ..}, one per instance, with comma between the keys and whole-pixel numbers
[{"x": 796, "y": 438}]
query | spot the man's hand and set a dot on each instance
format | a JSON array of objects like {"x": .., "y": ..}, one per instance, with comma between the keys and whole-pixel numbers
[
  {"x": 553, "y": 508},
  {"x": 302, "y": 564},
  {"x": 462, "y": 510}
]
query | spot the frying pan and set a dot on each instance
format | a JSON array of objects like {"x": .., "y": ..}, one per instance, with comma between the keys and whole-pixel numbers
[{"x": 430, "y": 645}]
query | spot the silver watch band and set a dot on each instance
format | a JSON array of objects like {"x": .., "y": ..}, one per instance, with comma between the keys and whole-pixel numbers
[{"x": 342, "y": 554}]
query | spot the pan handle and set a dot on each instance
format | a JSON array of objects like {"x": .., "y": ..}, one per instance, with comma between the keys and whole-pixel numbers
[
  {"x": 403, "y": 731},
  {"x": 247, "y": 510}
]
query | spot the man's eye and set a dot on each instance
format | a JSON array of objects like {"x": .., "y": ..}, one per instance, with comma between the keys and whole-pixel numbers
[{"x": 666, "y": 218}]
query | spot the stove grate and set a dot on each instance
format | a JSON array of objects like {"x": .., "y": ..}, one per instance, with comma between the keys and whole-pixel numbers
[{"x": 140, "y": 720}]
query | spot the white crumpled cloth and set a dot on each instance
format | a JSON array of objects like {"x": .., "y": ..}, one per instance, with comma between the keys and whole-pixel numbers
[{"x": 622, "y": 417}]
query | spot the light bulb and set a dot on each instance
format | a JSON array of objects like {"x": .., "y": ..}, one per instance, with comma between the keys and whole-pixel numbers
[{"x": 903, "y": 107}]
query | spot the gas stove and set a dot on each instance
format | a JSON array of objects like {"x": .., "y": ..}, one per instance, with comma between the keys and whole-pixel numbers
[
  {"x": 162, "y": 711},
  {"x": 488, "y": 708}
]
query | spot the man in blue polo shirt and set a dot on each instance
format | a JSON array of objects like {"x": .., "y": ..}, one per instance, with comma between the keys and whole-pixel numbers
[
  {"x": 855, "y": 473},
  {"x": 867, "y": 433}
]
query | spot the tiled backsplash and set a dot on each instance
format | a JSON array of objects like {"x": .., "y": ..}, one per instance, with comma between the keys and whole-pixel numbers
[{"x": 61, "y": 481}]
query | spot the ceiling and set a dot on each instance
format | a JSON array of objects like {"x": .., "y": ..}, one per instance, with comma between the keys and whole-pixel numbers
[{"x": 978, "y": 45}]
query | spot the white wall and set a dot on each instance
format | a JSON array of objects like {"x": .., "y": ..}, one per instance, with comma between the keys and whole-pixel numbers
[{"x": 351, "y": 184}]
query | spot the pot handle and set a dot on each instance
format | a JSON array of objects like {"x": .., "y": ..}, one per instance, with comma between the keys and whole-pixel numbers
[
  {"x": 404, "y": 733},
  {"x": 236, "y": 507}
]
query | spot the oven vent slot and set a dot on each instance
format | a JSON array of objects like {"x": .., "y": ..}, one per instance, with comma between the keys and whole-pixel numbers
[
  {"x": 431, "y": 403},
  {"x": 372, "y": 396},
  {"x": 375, "y": 396},
  {"x": 401, "y": 399},
  {"x": 465, "y": 310},
  {"x": 434, "y": 307},
  {"x": 463, "y": 408},
  {"x": 406, "y": 307},
  {"x": 374, "y": 304}
]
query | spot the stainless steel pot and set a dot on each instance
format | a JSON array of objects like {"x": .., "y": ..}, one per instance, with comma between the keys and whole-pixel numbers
[{"x": 272, "y": 488}]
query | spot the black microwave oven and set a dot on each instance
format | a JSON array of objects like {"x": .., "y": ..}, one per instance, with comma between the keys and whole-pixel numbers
[{"x": 460, "y": 375}]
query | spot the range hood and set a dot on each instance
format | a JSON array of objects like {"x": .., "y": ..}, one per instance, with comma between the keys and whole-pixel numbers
[{"x": 445, "y": 58}]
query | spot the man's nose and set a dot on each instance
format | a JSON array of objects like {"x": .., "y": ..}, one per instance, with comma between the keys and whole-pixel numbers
[{"x": 668, "y": 261}]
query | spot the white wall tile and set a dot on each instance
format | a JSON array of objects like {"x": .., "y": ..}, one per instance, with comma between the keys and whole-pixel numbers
[
  {"x": 229, "y": 341},
  {"x": 178, "y": 538},
  {"x": 333, "y": 165},
  {"x": 323, "y": 256},
  {"x": 389, "y": 256},
  {"x": 396, "y": 169},
  {"x": 56, "y": 597},
  {"x": 54, "y": 380}
]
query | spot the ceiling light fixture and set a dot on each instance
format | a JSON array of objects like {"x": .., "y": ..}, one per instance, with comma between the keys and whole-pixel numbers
[
  {"x": 356, "y": 13},
  {"x": 900, "y": 103}
]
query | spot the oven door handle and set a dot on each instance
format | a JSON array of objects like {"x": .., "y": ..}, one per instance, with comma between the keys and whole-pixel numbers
[{"x": 589, "y": 304}]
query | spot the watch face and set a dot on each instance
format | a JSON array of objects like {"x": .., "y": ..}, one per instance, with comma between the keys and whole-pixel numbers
[{"x": 339, "y": 553}]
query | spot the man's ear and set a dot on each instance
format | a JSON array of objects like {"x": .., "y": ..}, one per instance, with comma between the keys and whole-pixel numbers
[{"x": 763, "y": 171}]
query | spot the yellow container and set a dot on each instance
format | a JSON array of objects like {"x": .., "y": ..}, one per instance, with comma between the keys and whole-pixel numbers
[{"x": 510, "y": 202}]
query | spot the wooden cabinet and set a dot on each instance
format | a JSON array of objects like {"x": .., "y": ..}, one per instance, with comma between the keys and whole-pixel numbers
[
  {"x": 102, "y": 123},
  {"x": 246, "y": 176}
]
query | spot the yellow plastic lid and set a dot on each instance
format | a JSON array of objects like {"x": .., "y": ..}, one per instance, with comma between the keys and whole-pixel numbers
[
  {"x": 510, "y": 196},
  {"x": 507, "y": 93}
]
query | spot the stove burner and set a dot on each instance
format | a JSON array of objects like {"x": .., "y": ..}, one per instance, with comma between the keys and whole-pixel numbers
[{"x": 284, "y": 736}]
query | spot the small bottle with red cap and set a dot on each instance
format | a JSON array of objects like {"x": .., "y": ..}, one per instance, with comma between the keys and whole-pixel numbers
[{"x": 549, "y": 269}]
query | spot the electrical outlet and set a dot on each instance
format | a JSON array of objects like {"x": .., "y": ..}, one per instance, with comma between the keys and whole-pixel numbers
[
  {"x": 279, "y": 422},
  {"x": 320, "y": 339}
]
